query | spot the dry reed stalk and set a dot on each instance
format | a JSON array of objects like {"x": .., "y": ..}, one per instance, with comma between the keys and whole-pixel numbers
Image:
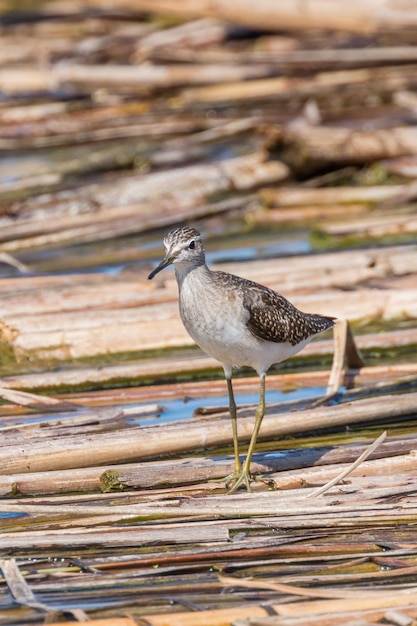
[
  {"x": 321, "y": 87},
  {"x": 163, "y": 392},
  {"x": 110, "y": 621},
  {"x": 163, "y": 367},
  {"x": 298, "y": 196},
  {"x": 85, "y": 480},
  {"x": 316, "y": 592},
  {"x": 23, "y": 594},
  {"x": 159, "y": 134},
  {"x": 75, "y": 125},
  {"x": 192, "y": 34},
  {"x": 313, "y": 213},
  {"x": 23, "y": 50},
  {"x": 279, "y": 548},
  {"x": 403, "y": 569},
  {"x": 88, "y": 423},
  {"x": 136, "y": 79},
  {"x": 318, "y": 270},
  {"x": 72, "y": 292},
  {"x": 319, "y": 145},
  {"x": 123, "y": 204},
  {"x": 111, "y": 537},
  {"x": 91, "y": 135},
  {"x": 143, "y": 477},
  {"x": 345, "y": 605},
  {"x": 214, "y": 617},
  {"x": 358, "y": 16},
  {"x": 319, "y": 474},
  {"x": 287, "y": 509},
  {"x": 371, "y": 226},
  {"x": 84, "y": 333},
  {"x": 351, "y": 468},
  {"x": 345, "y": 353},
  {"x": 7, "y": 259},
  {"x": 358, "y": 618},
  {"x": 172, "y": 473},
  {"x": 30, "y": 185},
  {"x": 285, "y": 52},
  {"x": 77, "y": 451},
  {"x": 34, "y": 401},
  {"x": 316, "y": 475},
  {"x": 257, "y": 614},
  {"x": 119, "y": 220},
  {"x": 81, "y": 118}
]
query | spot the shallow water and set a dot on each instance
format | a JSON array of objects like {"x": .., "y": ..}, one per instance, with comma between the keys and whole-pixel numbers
[
  {"x": 183, "y": 408},
  {"x": 168, "y": 411}
]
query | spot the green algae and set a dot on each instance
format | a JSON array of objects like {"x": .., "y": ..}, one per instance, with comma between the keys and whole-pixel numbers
[
  {"x": 299, "y": 363},
  {"x": 322, "y": 241},
  {"x": 109, "y": 481}
]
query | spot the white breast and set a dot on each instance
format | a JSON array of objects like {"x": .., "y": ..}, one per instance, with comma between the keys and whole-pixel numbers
[{"x": 216, "y": 320}]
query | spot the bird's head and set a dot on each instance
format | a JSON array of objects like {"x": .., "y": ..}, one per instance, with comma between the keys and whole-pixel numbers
[{"x": 182, "y": 246}]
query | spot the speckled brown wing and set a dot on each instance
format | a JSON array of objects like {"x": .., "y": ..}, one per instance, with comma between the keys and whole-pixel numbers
[{"x": 273, "y": 318}]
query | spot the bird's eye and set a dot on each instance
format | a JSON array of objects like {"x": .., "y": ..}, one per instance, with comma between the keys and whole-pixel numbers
[{"x": 191, "y": 245}]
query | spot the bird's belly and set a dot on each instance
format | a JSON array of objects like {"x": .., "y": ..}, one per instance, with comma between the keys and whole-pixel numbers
[
  {"x": 228, "y": 346},
  {"x": 235, "y": 346}
]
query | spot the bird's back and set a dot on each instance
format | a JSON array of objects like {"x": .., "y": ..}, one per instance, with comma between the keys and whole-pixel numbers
[{"x": 271, "y": 316}]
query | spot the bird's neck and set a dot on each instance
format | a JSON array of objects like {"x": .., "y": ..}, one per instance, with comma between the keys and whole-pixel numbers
[{"x": 184, "y": 270}]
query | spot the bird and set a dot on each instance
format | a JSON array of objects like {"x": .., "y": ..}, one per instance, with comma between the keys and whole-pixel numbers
[{"x": 238, "y": 322}]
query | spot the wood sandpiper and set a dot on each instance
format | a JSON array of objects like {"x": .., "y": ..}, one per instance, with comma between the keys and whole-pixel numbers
[{"x": 238, "y": 322}]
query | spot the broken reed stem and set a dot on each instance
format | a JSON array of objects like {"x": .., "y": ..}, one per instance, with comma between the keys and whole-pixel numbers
[
  {"x": 315, "y": 592},
  {"x": 23, "y": 594},
  {"x": 348, "y": 470}
]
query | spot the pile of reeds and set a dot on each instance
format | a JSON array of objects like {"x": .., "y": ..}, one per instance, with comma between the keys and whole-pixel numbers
[{"x": 118, "y": 120}]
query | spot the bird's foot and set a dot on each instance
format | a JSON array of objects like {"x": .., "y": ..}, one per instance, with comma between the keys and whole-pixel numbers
[
  {"x": 232, "y": 478},
  {"x": 237, "y": 479}
]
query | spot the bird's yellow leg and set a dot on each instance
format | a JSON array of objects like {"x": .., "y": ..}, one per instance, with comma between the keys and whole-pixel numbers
[
  {"x": 244, "y": 475},
  {"x": 233, "y": 414}
]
